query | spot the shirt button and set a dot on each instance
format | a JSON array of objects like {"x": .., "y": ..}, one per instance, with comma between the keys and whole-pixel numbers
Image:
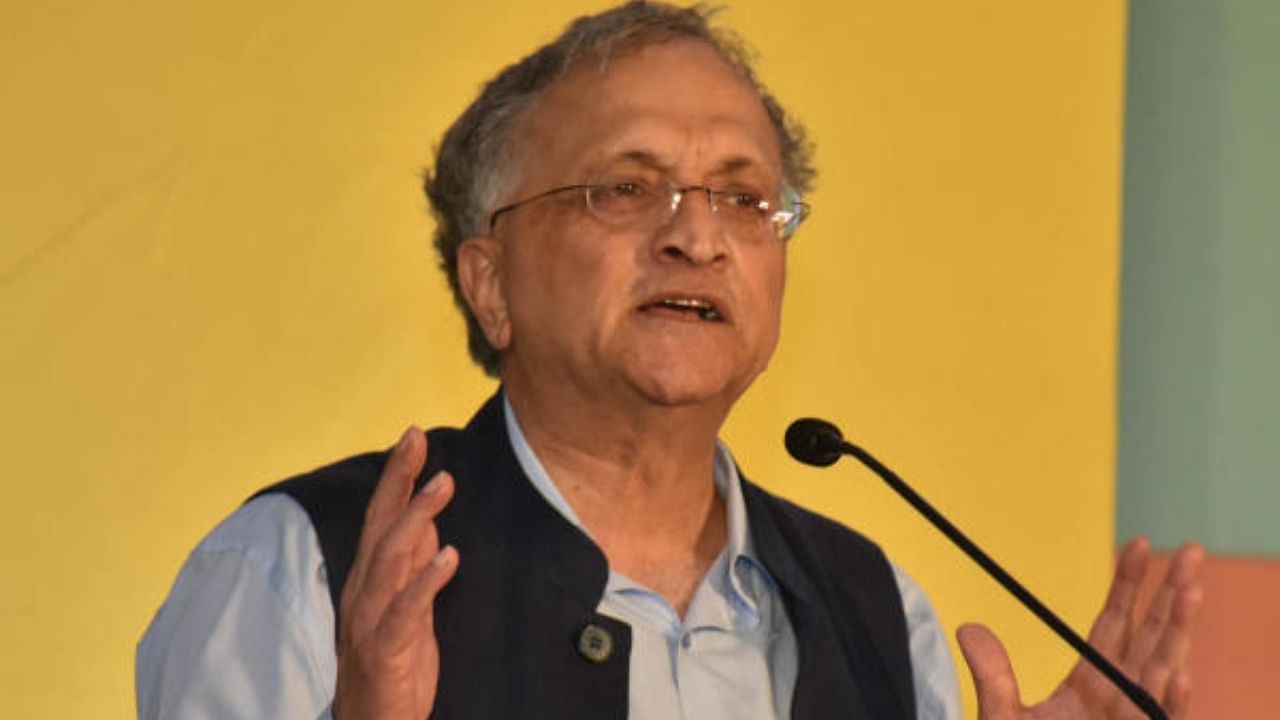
[
  {"x": 686, "y": 641},
  {"x": 595, "y": 643}
]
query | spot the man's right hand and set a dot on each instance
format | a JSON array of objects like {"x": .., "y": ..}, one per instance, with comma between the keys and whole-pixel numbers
[{"x": 388, "y": 659}]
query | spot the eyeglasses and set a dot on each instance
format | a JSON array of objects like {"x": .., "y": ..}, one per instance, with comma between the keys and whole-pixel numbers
[{"x": 639, "y": 203}]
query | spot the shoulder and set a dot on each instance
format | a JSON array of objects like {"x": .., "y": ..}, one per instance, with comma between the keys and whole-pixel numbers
[
  {"x": 272, "y": 520},
  {"x": 820, "y": 535},
  {"x": 250, "y": 602},
  {"x": 334, "y": 497},
  {"x": 268, "y": 542},
  {"x": 344, "y": 482},
  {"x": 349, "y": 483}
]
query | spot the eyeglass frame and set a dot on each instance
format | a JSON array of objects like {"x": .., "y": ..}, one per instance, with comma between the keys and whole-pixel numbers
[{"x": 801, "y": 209}]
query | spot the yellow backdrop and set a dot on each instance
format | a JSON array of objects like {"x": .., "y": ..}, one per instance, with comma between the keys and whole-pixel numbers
[{"x": 215, "y": 272}]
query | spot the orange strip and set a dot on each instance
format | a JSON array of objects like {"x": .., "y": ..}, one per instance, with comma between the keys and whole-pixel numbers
[{"x": 1235, "y": 654}]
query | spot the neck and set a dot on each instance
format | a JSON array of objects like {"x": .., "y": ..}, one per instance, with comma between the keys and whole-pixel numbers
[
  {"x": 628, "y": 456},
  {"x": 639, "y": 477}
]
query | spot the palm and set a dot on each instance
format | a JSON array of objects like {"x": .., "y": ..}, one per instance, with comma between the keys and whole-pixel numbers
[{"x": 1150, "y": 647}]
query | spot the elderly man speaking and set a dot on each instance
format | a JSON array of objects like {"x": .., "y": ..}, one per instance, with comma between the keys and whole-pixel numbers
[{"x": 613, "y": 216}]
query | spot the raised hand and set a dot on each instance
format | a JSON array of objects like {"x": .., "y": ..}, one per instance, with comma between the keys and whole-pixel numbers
[
  {"x": 388, "y": 659},
  {"x": 1152, "y": 649}
]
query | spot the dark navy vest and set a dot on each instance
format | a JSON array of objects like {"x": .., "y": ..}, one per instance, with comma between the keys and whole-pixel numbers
[{"x": 510, "y": 622}]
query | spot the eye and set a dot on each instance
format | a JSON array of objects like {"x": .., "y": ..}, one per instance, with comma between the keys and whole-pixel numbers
[
  {"x": 748, "y": 200},
  {"x": 738, "y": 199},
  {"x": 624, "y": 190},
  {"x": 627, "y": 188},
  {"x": 619, "y": 197}
]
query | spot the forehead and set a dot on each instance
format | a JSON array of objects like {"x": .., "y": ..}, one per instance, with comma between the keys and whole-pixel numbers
[{"x": 680, "y": 103}]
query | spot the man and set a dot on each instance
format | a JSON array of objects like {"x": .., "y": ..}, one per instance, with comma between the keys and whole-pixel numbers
[{"x": 613, "y": 214}]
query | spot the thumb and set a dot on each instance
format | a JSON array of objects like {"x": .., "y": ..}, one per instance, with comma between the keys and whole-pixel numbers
[{"x": 993, "y": 677}]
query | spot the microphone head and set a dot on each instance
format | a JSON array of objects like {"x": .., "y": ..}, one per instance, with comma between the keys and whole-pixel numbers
[{"x": 814, "y": 442}]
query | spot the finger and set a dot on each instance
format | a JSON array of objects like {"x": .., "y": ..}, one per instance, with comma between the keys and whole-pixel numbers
[
  {"x": 402, "y": 552},
  {"x": 394, "y": 487},
  {"x": 1175, "y": 645},
  {"x": 434, "y": 497},
  {"x": 409, "y": 618},
  {"x": 411, "y": 541},
  {"x": 391, "y": 495},
  {"x": 993, "y": 678},
  {"x": 1164, "y": 636},
  {"x": 1155, "y": 679},
  {"x": 1177, "y": 699},
  {"x": 1148, "y": 633},
  {"x": 1167, "y": 661},
  {"x": 1110, "y": 631}
]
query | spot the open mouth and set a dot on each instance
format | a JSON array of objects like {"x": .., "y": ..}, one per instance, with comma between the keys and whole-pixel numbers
[{"x": 693, "y": 307}]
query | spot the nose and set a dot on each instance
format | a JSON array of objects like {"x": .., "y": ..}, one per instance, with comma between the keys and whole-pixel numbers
[{"x": 693, "y": 234}]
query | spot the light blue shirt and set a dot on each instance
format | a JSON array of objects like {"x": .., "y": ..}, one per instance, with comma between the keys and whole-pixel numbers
[{"x": 247, "y": 630}]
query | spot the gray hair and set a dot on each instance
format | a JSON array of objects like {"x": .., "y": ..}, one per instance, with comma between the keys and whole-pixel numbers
[{"x": 474, "y": 162}]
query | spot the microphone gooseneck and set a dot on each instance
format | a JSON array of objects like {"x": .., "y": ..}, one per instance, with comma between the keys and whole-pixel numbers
[{"x": 818, "y": 442}]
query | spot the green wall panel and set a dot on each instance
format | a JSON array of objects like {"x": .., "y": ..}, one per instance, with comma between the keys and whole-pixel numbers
[{"x": 1199, "y": 445}]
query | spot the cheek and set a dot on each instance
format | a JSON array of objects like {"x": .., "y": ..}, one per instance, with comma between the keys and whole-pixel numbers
[
  {"x": 775, "y": 282},
  {"x": 780, "y": 279},
  {"x": 555, "y": 283},
  {"x": 769, "y": 287}
]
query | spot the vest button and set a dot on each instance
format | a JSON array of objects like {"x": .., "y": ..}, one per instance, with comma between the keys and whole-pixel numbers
[{"x": 595, "y": 643}]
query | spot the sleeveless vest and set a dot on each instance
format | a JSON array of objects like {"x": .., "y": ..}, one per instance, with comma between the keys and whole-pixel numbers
[{"x": 511, "y": 622}]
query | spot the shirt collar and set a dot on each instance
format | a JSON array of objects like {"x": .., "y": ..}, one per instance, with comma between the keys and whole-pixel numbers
[{"x": 746, "y": 576}]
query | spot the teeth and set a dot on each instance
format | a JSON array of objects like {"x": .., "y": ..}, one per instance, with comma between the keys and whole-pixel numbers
[
  {"x": 687, "y": 303},
  {"x": 705, "y": 310}
]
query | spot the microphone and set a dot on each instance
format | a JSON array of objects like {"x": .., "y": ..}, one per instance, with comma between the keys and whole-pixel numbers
[
  {"x": 820, "y": 443},
  {"x": 814, "y": 442}
]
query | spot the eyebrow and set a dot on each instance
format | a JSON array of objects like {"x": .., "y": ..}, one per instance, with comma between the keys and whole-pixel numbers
[
  {"x": 642, "y": 157},
  {"x": 649, "y": 159}
]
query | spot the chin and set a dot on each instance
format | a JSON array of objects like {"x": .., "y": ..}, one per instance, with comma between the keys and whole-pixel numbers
[
  {"x": 680, "y": 372},
  {"x": 685, "y": 387}
]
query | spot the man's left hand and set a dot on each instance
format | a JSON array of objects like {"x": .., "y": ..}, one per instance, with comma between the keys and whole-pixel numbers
[{"x": 1152, "y": 649}]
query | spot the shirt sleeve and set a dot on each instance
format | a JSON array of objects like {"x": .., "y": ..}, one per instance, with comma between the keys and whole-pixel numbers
[
  {"x": 247, "y": 630},
  {"x": 933, "y": 671}
]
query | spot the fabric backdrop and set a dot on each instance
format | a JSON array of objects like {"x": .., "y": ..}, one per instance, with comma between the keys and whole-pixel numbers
[{"x": 215, "y": 271}]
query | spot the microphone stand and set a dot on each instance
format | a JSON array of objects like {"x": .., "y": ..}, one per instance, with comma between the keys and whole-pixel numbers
[{"x": 825, "y": 441}]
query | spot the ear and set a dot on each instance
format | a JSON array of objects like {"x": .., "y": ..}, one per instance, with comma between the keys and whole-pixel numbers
[{"x": 480, "y": 278}]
